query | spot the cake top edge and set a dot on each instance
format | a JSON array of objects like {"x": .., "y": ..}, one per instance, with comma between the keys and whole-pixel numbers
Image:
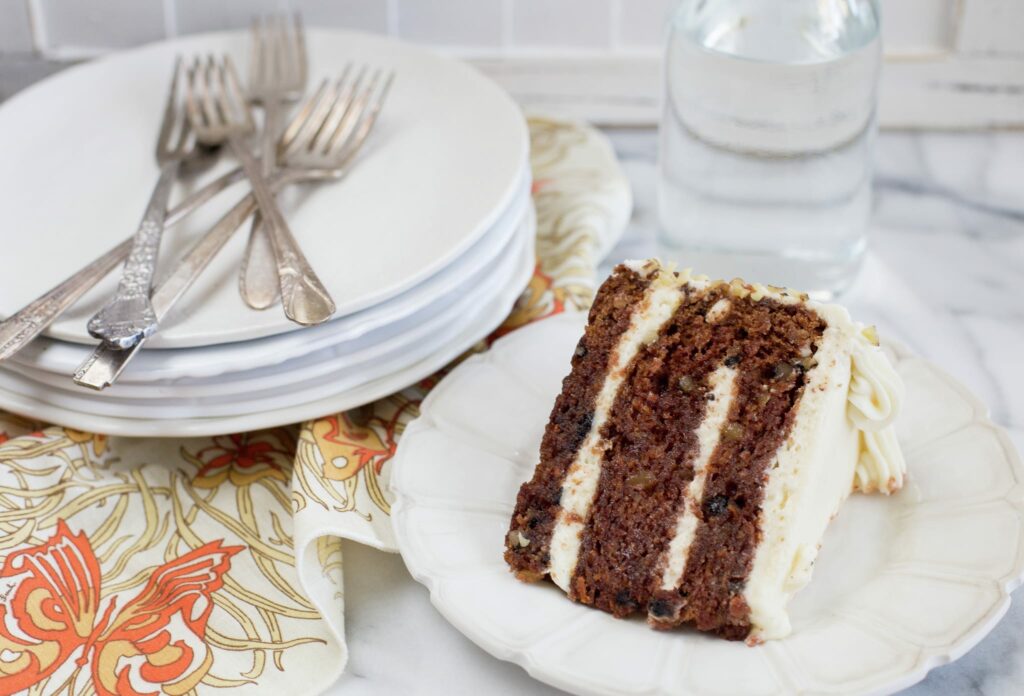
[
  {"x": 650, "y": 268},
  {"x": 876, "y": 389}
]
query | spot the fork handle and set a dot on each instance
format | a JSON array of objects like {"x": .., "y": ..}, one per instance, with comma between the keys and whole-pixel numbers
[
  {"x": 105, "y": 364},
  {"x": 19, "y": 329},
  {"x": 28, "y": 322},
  {"x": 305, "y": 299},
  {"x": 257, "y": 277},
  {"x": 128, "y": 317}
]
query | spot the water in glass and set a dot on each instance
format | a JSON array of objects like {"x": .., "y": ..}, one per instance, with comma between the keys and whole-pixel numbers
[{"x": 766, "y": 137}]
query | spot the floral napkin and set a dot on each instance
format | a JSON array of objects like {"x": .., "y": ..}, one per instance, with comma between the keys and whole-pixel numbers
[{"x": 139, "y": 566}]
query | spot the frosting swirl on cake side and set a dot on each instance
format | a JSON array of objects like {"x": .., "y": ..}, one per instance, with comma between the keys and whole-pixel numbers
[{"x": 876, "y": 394}]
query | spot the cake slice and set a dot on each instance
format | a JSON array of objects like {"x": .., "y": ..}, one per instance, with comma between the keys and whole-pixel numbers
[{"x": 706, "y": 435}]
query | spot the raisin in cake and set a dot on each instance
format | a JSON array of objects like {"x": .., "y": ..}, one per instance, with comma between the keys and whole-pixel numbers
[{"x": 706, "y": 435}]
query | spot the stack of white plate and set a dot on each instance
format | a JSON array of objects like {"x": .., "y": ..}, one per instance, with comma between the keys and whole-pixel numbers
[{"x": 425, "y": 246}]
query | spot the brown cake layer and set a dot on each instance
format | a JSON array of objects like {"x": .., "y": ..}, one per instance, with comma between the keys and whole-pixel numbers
[
  {"x": 645, "y": 472},
  {"x": 650, "y": 462},
  {"x": 650, "y": 446},
  {"x": 770, "y": 344},
  {"x": 537, "y": 506}
]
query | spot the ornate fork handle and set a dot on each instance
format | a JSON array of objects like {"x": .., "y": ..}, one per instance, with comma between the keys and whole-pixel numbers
[
  {"x": 28, "y": 322},
  {"x": 305, "y": 299},
  {"x": 129, "y": 316},
  {"x": 103, "y": 367},
  {"x": 21, "y": 327}
]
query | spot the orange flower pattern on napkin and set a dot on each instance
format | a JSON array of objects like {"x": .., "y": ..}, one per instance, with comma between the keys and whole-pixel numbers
[
  {"x": 214, "y": 564},
  {"x": 52, "y": 610}
]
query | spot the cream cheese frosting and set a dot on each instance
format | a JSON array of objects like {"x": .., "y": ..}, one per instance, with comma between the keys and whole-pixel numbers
[
  {"x": 842, "y": 439},
  {"x": 723, "y": 388},
  {"x": 876, "y": 394}
]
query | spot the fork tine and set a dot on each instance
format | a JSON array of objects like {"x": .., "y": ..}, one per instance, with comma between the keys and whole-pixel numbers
[
  {"x": 338, "y": 113},
  {"x": 347, "y": 125},
  {"x": 273, "y": 53},
  {"x": 255, "y": 52},
  {"x": 285, "y": 53},
  {"x": 299, "y": 47},
  {"x": 285, "y": 57},
  {"x": 351, "y": 147},
  {"x": 311, "y": 128},
  {"x": 195, "y": 111},
  {"x": 237, "y": 96},
  {"x": 325, "y": 111},
  {"x": 272, "y": 57},
  {"x": 170, "y": 108},
  {"x": 209, "y": 93},
  {"x": 302, "y": 116}
]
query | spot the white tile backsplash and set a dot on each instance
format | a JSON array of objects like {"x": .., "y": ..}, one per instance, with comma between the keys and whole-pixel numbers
[
  {"x": 470, "y": 23},
  {"x": 192, "y": 16},
  {"x": 913, "y": 27},
  {"x": 64, "y": 29},
  {"x": 15, "y": 27},
  {"x": 641, "y": 23},
  {"x": 97, "y": 25},
  {"x": 365, "y": 15},
  {"x": 561, "y": 23},
  {"x": 991, "y": 27}
]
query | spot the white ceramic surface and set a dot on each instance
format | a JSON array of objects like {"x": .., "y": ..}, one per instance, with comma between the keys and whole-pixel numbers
[
  {"x": 298, "y": 381},
  {"x": 350, "y": 334},
  {"x": 902, "y": 584},
  {"x": 343, "y": 396},
  {"x": 444, "y": 162}
]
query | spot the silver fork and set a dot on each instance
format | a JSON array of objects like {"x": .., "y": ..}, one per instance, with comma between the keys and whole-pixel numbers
[
  {"x": 324, "y": 136},
  {"x": 129, "y": 316},
  {"x": 219, "y": 113},
  {"x": 19, "y": 329},
  {"x": 277, "y": 75}
]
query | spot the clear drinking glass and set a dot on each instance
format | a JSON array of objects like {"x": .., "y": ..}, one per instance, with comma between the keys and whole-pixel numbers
[{"x": 766, "y": 139}]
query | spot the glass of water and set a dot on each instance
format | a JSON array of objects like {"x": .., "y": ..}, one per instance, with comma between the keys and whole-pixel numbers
[{"x": 766, "y": 139}]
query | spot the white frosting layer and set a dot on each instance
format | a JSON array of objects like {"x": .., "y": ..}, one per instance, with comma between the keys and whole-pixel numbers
[
  {"x": 723, "y": 387},
  {"x": 659, "y": 304},
  {"x": 876, "y": 394},
  {"x": 841, "y": 438}
]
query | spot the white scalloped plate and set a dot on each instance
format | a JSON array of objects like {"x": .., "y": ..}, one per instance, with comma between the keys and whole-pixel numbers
[{"x": 903, "y": 584}]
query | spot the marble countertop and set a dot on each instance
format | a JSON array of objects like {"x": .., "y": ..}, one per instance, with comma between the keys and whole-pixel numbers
[{"x": 948, "y": 229}]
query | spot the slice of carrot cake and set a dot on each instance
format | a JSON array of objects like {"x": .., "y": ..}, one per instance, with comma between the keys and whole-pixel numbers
[{"x": 706, "y": 435}]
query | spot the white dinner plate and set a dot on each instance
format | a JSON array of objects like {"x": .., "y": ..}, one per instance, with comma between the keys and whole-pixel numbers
[
  {"x": 354, "y": 332},
  {"x": 294, "y": 382},
  {"x": 443, "y": 163},
  {"x": 342, "y": 398},
  {"x": 902, "y": 583}
]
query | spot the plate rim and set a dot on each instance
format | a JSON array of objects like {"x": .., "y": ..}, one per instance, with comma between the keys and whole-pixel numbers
[{"x": 927, "y": 658}]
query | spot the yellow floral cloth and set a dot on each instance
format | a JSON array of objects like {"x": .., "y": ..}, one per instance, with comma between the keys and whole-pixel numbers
[{"x": 196, "y": 566}]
